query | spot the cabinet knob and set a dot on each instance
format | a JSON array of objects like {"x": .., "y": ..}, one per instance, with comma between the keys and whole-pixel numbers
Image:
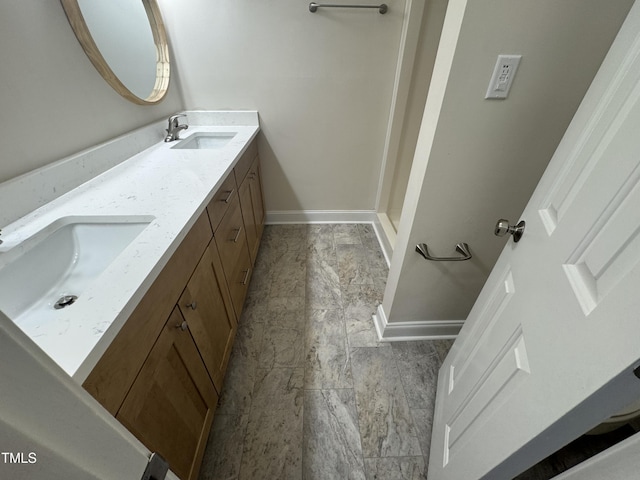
[
  {"x": 192, "y": 305},
  {"x": 182, "y": 326}
]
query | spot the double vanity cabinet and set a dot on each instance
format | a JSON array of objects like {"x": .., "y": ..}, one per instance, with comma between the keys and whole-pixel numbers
[{"x": 163, "y": 373}]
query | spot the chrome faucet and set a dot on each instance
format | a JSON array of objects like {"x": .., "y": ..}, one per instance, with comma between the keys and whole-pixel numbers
[{"x": 174, "y": 128}]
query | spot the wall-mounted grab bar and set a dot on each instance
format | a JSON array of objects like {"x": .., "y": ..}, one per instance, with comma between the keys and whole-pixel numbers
[
  {"x": 462, "y": 248},
  {"x": 313, "y": 6}
]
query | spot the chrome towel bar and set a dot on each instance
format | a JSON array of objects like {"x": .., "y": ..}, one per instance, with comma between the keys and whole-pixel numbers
[
  {"x": 462, "y": 248},
  {"x": 313, "y": 6}
]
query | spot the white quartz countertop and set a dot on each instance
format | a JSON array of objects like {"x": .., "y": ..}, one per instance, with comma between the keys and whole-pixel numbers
[{"x": 173, "y": 186}]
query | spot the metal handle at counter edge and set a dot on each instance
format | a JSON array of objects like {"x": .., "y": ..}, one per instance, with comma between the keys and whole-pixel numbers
[{"x": 462, "y": 248}]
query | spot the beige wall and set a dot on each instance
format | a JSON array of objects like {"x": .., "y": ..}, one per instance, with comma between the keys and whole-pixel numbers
[
  {"x": 430, "y": 32},
  {"x": 478, "y": 160},
  {"x": 322, "y": 83},
  {"x": 54, "y": 103}
]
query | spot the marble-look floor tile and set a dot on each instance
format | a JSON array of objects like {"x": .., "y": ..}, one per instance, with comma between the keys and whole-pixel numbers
[
  {"x": 361, "y": 331},
  {"x": 254, "y": 311},
  {"x": 323, "y": 286},
  {"x": 377, "y": 263},
  {"x": 283, "y": 340},
  {"x": 290, "y": 282},
  {"x": 320, "y": 236},
  {"x": 237, "y": 389},
  {"x": 331, "y": 446},
  {"x": 222, "y": 456},
  {"x": 362, "y": 295},
  {"x": 360, "y": 303},
  {"x": 322, "y": 254},
  {"x": 346, "y": 234},
  {"x": 284, "y": 304},
  {"x": 418, "y": 363},
  {"x": 327, "y": 362},
  {"x": 442, "y": 347},
  {"x": 423, "y": 420},
  {"x": 353, "y": 268},
  {"x": 386, "y": 425},
  {"x": 272, "y": 446},
  {"x": 291, "y": 422},
  {"x": 394, "y": 468},
  {"x": 367, "y": 232}
]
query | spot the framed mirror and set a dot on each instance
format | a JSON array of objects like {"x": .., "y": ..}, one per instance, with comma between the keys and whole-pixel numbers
[{"x": 126, "y": 42}]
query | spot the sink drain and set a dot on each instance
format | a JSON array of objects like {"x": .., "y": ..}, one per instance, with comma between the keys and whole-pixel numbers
[{"x": 65, "y": 301}]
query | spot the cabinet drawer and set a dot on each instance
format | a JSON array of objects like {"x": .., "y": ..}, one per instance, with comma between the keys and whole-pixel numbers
[
  {"x": 244, "y": 164},
  {"x": 230, "y": 237},
  {"x": 219, "y": 205},
  {"x": 231, "y": 241}
]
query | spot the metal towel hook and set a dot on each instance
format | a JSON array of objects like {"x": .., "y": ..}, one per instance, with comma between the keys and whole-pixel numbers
[{"x": 462, "y": 248}]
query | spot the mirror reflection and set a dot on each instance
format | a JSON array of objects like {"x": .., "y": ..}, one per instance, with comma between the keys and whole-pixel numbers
[{"x": 126, "y": 42}]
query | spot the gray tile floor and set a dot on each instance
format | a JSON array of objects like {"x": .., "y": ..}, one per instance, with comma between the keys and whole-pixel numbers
[{"x": 310, "y": 393}]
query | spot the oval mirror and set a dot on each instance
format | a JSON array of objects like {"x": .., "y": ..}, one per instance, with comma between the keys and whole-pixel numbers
[{"x": 126, "y": 42}]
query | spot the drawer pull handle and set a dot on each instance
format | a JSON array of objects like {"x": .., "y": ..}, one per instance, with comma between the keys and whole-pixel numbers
[
  {"x": 192, "y": 305},
  {"x": 182, "y": 326},
  {"x": 246, "y": 276},
  {"x": 235, "y": 239},
  {"x": 229, "y": 195}
]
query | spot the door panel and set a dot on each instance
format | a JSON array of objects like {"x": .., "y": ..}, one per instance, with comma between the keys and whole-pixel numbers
[{"x": 549, "y": 348}]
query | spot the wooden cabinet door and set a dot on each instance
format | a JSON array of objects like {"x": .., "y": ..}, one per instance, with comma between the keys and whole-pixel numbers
[
  {"x": 252, "y": 204},
  {"x": 257, "y": 200},
  {"x": 248, "y": 215},
  {"x": 206, "y": 306},
  {"x": 171, "y": 404}
]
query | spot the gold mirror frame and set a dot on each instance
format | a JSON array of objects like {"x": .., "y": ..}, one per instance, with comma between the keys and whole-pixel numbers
[{"x": 79, "y": 26}]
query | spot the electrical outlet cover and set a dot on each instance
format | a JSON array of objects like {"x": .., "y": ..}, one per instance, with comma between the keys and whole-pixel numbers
[{"x": 502, "y": 78}]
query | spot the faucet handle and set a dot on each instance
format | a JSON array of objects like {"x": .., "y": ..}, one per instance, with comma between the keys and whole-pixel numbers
[{"x": 173, "y": 119}]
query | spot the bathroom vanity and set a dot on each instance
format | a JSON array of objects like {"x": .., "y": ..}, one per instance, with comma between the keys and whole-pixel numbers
[{"x": 158, "y": 323}]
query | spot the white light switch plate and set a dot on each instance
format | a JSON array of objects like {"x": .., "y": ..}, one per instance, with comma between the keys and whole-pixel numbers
[{"x": 502, "y": 77}]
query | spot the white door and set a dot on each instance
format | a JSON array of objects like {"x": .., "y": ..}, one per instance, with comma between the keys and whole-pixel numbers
[
  {"x": 50, "y": 427},
  {"x": 549, "y": 349}
]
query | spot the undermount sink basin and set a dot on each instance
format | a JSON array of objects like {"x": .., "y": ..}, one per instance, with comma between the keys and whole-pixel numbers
[
  {"x": 51, "y": 269},
  {"x": 208, "y": 140}
]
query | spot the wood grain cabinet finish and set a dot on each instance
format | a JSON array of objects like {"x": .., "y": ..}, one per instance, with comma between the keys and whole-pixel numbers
[
  {"x": 111, "y": 378},
  {"x": 162, "y": 373},
  {"x": 218, "y": 206},
  {"x": 252, "y": 203},
  {"x": 231, "y": 240},
  {"x": 171, "y": 404},
  {"x": 207, "y": 308}
]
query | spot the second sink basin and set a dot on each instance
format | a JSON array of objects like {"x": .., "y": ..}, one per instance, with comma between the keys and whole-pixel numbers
[
  {"x": 51, "y": 269},
  {"x": 208, "y": 140}
]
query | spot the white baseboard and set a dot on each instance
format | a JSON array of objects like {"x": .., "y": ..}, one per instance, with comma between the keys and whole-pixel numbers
[
  {"x": 418, "y": 330},
  {"x": 386, "y": 242},
  {"x": 320, "y": 216}
]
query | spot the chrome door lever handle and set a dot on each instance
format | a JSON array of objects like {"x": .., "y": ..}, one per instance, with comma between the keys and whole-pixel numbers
[{"x": 503, "y": 227}]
